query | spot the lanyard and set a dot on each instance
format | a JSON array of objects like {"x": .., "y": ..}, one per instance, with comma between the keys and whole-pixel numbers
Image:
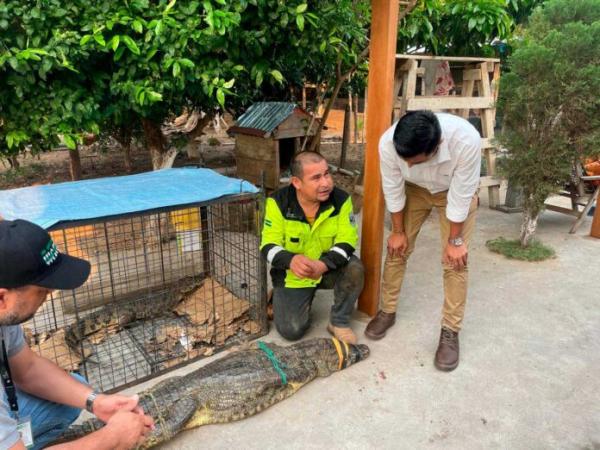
[{"x": 7, "y": 382}]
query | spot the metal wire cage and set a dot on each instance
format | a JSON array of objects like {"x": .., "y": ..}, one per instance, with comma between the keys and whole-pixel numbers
[{"x": 166, "y": 287}]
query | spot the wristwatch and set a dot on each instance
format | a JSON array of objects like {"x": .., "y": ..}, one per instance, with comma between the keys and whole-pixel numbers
[
  {"x": 89, "y": 401},
  {"x": 457, "y": 241}
]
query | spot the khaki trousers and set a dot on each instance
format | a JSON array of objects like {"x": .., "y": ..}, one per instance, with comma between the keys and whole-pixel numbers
[{"x": 419, "y": 203}]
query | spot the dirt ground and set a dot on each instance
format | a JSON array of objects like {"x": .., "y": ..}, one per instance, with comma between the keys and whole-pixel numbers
[{"x": 216, "y": 151}]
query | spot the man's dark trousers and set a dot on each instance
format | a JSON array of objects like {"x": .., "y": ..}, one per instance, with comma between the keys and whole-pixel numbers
[{"x": 291, "y": 306}]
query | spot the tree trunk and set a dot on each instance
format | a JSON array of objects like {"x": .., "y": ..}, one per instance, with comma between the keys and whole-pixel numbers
[
  {"x": 156, "y": 144},
  {"x": 528, "y": 226},
  {"x": 14, "y": 161},
  {"x": 75, "y": 164},
  {"x": 123, "y": 135},
  {"x": 316, "y": 140},
  {"x": 127, "y": 157},
  {"x": 345, "y": 134}
]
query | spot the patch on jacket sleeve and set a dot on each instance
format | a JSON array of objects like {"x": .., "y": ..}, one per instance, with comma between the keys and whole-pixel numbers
[
  {"x": 353, "y": 219},
  {"x": 268, "y": 223}
]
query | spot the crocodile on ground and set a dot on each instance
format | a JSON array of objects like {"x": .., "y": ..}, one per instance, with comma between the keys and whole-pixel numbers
[{"x": 236, "y": 386}]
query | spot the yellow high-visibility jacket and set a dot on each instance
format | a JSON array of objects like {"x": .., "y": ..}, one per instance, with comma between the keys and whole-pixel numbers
[{"x": 286, "y": 232}]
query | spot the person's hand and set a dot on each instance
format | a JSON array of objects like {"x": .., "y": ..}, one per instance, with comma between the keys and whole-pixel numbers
[
  {"x": 397, "y": 244},
  {"x": 128, "y": 429},
  {"x": 456, "y": 256},
  {"x": 318, "y": 268},
  {"x": 105, "y": 406},
  {"x": 302, "y": 266}
]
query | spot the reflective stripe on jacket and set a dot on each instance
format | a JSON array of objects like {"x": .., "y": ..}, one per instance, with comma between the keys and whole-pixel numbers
[{"x": 286, "y": 232}]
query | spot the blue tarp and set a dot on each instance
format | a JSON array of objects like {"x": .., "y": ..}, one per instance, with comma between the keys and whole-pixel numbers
[{"x": 50, "y": 204}]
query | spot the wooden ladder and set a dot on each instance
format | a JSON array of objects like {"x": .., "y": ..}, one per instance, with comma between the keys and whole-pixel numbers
[{"x": 480, "y": 75}]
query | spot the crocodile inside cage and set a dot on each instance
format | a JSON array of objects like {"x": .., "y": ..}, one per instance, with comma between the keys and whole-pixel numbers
[{"x": 166, "y": 287}]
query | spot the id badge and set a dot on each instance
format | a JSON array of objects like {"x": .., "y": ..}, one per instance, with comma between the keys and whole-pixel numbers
[{"x": 24, "y": 429}]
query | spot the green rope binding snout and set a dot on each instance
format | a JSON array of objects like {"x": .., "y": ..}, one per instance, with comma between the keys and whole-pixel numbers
[{"x": 276, "y": 363}]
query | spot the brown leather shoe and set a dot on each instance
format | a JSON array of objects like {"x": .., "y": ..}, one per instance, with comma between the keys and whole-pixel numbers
[
  {"x": 379, "y": 325},
  {"x": 446, "y": 356}
]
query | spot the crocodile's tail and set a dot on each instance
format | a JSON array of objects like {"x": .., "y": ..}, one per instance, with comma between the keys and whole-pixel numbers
[
  {"x": 173, "y": 421},
  {"x": 78, "y": 431},
  {"x": 166, "y": 426}
]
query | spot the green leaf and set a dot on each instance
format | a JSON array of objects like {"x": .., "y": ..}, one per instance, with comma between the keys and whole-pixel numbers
[
  {"x": 222, "y": 2},
  {"x": 169, "y": 6},
  {"x": 85, "y": 39},
  {"x": 69, "y": 142},
  {"x": 100, "y": 39},
  {"x": 115, "y": 42},
  {"x": 284, "y": 20},
  {"x": 151, "y": 53},
  {"x": 176, "y": 69},
  {"x": 38, "y": 51},
  {"x": 300, "y": 22},
  {"x": 9, "y": 140},
  {"x": 137, "y": 26},
  {"x": 323, "y": 46},
  {"x": 221, "y": 97},
  {"x": 119, "y": 53},
  {"x": 14, "y": 63},
  {"x": 301, "y": 8},
  {"x": 154, "y": 96},
  {"x": 472, "y": 23},
  {"x": 277, "y": 75},
  {"x": 158, "y": 28},
  {"x": 185, "y": 62},
  {"x": 229, "y": 84},
  {"x": 131, "y": 45}
]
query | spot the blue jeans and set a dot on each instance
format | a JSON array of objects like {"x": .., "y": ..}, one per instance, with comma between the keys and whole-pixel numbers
[{"x": 48, "y": 420}]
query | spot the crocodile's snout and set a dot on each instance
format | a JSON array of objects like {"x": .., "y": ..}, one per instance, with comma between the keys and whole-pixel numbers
[
  {"x": 357, "y": 353},
  {"x": 363, "y": 352}
]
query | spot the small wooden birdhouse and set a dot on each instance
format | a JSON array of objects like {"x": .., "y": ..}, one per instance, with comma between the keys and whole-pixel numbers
[{"x": 267, "y": 136}]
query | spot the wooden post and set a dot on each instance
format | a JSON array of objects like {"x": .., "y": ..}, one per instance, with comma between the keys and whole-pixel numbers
[
  {"x": 595, "y": 231},
  {"x": 384, "y": 29},
  {"x": 355, "y": 118},
  {"x": 487, "y": 128},
  {"x": 409, "y": 86},
  {"x": 304, "y": 96}
]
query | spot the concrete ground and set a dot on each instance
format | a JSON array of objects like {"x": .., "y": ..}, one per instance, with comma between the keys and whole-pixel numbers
[{"x": 528, "y": 376}]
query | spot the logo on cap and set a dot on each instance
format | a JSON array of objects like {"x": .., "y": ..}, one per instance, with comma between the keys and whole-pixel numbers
[{"x": 49, "y": 253}]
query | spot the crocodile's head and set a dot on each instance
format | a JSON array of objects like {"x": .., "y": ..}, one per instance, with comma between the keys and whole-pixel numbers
[{"x": 331, "y": 355}]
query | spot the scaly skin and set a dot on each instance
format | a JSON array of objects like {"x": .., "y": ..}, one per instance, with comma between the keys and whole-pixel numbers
[
  {"x": 118, "y": 314},
  {"x": 236, "y": 386}
]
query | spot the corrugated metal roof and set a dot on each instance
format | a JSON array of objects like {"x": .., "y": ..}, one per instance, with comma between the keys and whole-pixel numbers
[{"x": 265, "y": 116}]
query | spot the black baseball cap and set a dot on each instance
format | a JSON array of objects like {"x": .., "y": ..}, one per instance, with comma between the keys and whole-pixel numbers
[{"x": 28, "y": 256}]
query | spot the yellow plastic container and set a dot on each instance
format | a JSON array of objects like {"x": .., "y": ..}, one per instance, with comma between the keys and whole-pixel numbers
[{"x": 187, "y": 227}]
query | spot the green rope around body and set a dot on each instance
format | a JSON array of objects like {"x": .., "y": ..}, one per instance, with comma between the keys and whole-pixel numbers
[{"x": 276, "y": 364}]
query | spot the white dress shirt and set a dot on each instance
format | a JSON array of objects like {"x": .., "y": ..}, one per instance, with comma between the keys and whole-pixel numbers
[{"x": 454, "y": 168}]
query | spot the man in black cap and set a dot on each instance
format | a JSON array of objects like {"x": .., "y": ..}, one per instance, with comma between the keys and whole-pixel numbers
[{"x": 40, "y": 399}]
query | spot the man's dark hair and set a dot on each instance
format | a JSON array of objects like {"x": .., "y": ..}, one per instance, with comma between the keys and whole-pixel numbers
[
  {"x": 417, "y": 132},
  {"x": 300, "y": 159}
]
